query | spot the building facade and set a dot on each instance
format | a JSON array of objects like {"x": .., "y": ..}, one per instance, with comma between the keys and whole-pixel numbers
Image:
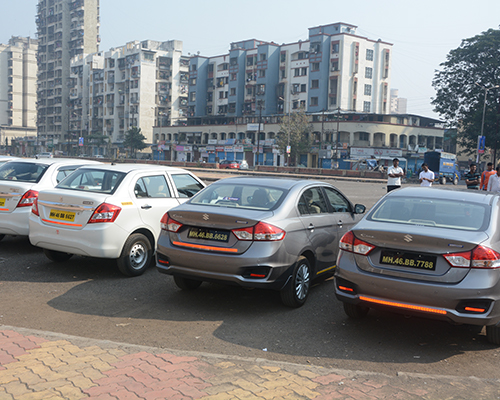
[
  {"x": 141, "y": 84},
  {"x": 66, "y": 28},
  {"x": 18, "y": 69}
]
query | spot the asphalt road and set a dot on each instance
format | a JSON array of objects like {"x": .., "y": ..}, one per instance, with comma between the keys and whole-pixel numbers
[{"x": 90, "y": 298}]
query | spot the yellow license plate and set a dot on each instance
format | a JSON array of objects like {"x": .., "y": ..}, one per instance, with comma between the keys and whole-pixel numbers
[
  {"x": 2, "y": 202},
  {"x": 62, "y": 215}
]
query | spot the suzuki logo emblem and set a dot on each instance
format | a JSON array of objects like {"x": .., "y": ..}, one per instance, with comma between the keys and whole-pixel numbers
[
  {"x": 206, "y": 217},
  {"x": 408, "y": 238}
]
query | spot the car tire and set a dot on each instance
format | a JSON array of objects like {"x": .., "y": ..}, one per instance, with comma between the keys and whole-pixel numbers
[
  {"x": 187, "y": 284},
  {"x": 493, "y": 334},
  {"x": 136, "y": 255},
  {"x": 295, "y": 293},
  {"x": 455, "y": 181},
  {"x": 442, "y": 181},
  {"x": 2, "y": 237},
  {"x": 57, "y": 256},
  {"x": 355, "y": 311}
]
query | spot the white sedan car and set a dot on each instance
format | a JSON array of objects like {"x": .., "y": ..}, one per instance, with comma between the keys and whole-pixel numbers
[
  {"x": 20, "y": 182},
  {"x": 109, "y": 211}
]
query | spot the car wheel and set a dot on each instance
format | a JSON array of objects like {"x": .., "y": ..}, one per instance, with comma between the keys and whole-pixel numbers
[
  {"x": 455, "y": 181},
  {"x": 136, "y": 255},
  {"x": 355, "y": 311},
  {"x": 187, "y": 284},
  {"x": 296, "y": 290},
  {"x": 1, "y": 237},
  {"x": 442, "y": 181},
  {"x": 57, "y": 256},
  {"x": 493, "y": 334}
]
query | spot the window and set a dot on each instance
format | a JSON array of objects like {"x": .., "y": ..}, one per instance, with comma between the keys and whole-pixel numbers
[
  {"x": 315, "y": 66},
  {"x": 234, "y": 77},
  {"x": 335, "y": 47},
  {"x": 368, "y": 90},
  {"x": 312, "y": 201},
  {"x": 337, "y": 201},
  {"x": 283, "y": 57},
  {"x": 233, "y": 61},
  {"x": 192, "y": 81},
  {"x": 262, "y": 73},
  {"x": 315, "y": 47},
  {"x": 304, "y": 71},
  {"x": 303, "y": 88},
  {"x": 369, "y": 55},
  {"x": 192, "y": 96},
  {"x": 152, "y": 187},
  {"x": 368, "y": 73},
  {"x": 296, "y": 72},
  {"x": 302, "y": 55},
  {"x": 261, "y": 89},
  {"x": 193, "y": 67},
  {"x": 315, "y": 84},
  {"x": 282, "y": 74},
  {"x": 233, "y": 92},
  {"x": 364, "y": 136},
  {"x": 314, "y": 101},
  {"x": 186, "y": 185},
  {"x": 335, "y": 65},
  {"x": 263, "y": 57},
  {"x": 367, "y": 106}
]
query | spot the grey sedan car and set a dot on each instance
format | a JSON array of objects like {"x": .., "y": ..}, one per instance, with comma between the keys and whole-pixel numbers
[
  {"x": 426, "y": 251},
  {"x": 257, "y": 232}
]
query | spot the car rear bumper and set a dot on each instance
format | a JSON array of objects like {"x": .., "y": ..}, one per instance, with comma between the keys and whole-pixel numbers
[
  {"x": 460, "y": 303},
  {"x": 16, "y": 222},
  {"x": 259, "y": 267},
  {"x": 100, "y": 240}
]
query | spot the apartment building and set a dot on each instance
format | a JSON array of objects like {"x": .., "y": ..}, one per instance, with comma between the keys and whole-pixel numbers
[
  {"x": 398, "y": 104},
  {"x": 335, "y": 68},
  {"x": 18, "y": 70},
  {"x": 141, "y": 84},
  {"x": 66, "y": 28}
]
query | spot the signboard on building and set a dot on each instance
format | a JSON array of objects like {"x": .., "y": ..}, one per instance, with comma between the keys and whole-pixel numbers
[
  {"x": 254, "y": 127},
  {"x": 364, "y": 152}
]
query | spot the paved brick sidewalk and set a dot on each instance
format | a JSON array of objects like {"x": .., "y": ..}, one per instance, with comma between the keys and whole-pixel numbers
[{"x": 48, "y": 366}]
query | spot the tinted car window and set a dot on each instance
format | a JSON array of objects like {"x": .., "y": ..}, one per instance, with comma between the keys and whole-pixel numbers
[
  {"x": 252, "y": 197},
  {"x": 64, "y": 172},
  {"x": 152, "y": 187},
  {"x": 186, "y": 185},
  {"x": 432, "y": 212},
  {"x": 22, "y": 172},
  {"x": 93, "y": 180},
  {"x": 338, "y": 202},
  {"x": 312, "y": 201}
]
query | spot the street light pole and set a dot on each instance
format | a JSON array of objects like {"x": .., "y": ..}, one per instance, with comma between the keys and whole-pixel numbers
[
  {"x": 258, "y": 132},
  {"x": 338, "y": 137}
]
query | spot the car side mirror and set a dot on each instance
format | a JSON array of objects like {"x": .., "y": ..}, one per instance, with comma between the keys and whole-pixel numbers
[{"x": 359, "y": 209}]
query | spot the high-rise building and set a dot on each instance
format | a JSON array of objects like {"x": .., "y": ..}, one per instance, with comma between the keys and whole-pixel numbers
[
  {"x": 66, "y": 28},
  {"x": 398, "y": 104},
  {"x": 141, "y": 84},
  {"x": 334, "y": 69},
  {"x": 17, "y": 93}
]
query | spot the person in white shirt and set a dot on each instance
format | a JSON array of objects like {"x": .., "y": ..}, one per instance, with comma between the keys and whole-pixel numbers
[
  {"x": 394, "y": 175},
  {"x": 494, "y": 182},
  {"x": 426, "y": 177}
]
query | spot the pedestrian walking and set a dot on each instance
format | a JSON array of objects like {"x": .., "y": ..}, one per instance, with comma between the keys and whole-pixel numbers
[
  {"x": 472, "y": 178},
  {"x": 394, "y": 175},
  {"x": 426, "y": 177},
  {"x": 494, "y": 182},
  {"x": 485, "y": 176}
]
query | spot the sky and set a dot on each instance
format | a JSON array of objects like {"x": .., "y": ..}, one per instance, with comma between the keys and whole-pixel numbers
[{"x": 422, "y": 32}]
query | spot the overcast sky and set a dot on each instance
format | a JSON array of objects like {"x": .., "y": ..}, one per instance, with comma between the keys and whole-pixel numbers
[{"x": 422, "y": 32}]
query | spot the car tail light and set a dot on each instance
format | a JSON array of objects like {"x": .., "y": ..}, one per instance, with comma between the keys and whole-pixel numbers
[
  {"x": 28, "y": 198},
  {"x": 479, "y": 257},
  {"x": 261, "y": 232},
  {"x": 34, "y": 209},
  {"x": 351, "y": 243},
  {"x": 169, "y": 224},
  {"x": 105, "y": 213}
]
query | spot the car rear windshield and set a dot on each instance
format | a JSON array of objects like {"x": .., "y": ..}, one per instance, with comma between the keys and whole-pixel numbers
[
  {"x": 22, "y": 171},
  {"x": 441, "y": 213},
  {"x": 237, "y": 195},
  {"x": 93, "y": 180}
]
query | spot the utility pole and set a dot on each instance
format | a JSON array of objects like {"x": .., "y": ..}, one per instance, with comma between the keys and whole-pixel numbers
[
  {"x": 338, "y": 137},
  {"x": 258, "y": 131},
  {"x": 320, "y": 164}
]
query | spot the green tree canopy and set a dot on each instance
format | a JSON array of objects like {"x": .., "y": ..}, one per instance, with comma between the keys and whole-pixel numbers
[
  {"x": 134, "y": 140},
  {"x": 295, "y": 130},
  {"x": 469, "y": 74}
]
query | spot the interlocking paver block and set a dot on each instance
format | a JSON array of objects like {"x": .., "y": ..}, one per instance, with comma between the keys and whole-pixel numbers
[
  {"x": 277, "y": 393},
  {"x": 303, "y": 391},
  {"x": 327, "y": 379},
  {"x": 248, "y": 385},
  {"x": 16, "y": 388}
]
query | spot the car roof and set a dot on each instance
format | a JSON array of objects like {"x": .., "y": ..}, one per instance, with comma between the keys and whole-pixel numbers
[
  {"x": 50, "y": 161},
  {"x": 277, "y": 182},
  {"x": 475, "y": 196},
  {"x": 126, "y": 168}
]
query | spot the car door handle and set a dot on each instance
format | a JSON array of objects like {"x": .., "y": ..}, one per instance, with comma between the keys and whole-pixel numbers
[
  {"x": 340, "y": 223},
  {"x": 146, "y": 206},
  {"x": 310, "y": 227}
]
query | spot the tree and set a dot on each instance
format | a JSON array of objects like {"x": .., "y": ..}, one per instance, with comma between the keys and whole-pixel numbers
[
  {"x": 134, "y": 140},
  {"x": 465, "y": 84},
  {"x": 295, "y": 130}
]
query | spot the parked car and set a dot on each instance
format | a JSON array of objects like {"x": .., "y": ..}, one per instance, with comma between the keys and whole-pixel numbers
[
  {"x": 109, "y": 211},
  {"x": 426, "y": 251},
  {"x": 227, "y": 164},
  {"x": 256, "y": 232},
  {"x": 20, "y": 182},
  {"x": 44, "y": 155}
]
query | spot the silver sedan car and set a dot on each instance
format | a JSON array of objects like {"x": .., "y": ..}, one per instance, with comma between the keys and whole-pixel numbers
[
  {"x": 426, "y": 251},
  {"x": 257, "y": 232}
]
